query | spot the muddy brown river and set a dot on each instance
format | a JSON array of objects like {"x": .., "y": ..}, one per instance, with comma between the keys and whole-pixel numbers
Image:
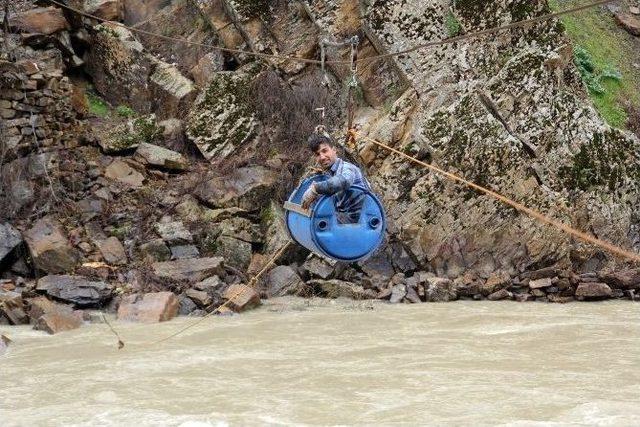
[{"x": 320, "y": 362}]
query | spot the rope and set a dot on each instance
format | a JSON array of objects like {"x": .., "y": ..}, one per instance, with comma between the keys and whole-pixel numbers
[
  {"x": 450, "y": 40},
  {"x": 518, "y": 206},
  {"x": 251, "y": 284}
]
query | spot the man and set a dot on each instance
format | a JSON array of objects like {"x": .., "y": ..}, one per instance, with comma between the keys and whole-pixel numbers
[{"x": 342, "y": 175}]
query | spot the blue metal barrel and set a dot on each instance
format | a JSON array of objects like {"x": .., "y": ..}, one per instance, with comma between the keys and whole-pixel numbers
[{"x": 319, "y": 230}]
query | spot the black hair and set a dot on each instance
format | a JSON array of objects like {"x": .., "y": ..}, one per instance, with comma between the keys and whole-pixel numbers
[{"x": 317, "y": 139}]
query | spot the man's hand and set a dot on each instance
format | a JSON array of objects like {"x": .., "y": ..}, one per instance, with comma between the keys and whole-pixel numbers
[{"x": 309, "y": 196}]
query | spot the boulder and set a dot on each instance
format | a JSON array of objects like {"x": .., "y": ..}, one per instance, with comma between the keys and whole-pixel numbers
[
  {"x": 75, "y": 289},
  {"x": 378, "y": 268},
  {"x": 105, "y": 9},
  {"x": 204, "y": 71},
  {"x": 188, "y": 270},
  {"x": 119, "y": 67},
  {"x": 242, "y": 297},
  {"x": 152, "y": 155},
  {"x": 317, "y": 267},
  {"x": 173, "y": 136},
  {"x": 170, "y": 89},
  {"x": 58, "y": 321},
  {"x": 49, "y": 247},
  {"x": 174, "y": 232},
  {"x": 282, "y": 280},
  {"x": 149, "y": 308},
  {"x": 121, "y": 172},
  {"x": 248, "y": 188},
  {"x": 12, "y": 307},
  {"x": 128, "y": 136},
  {"x": 593, "y": 290},
  {"x": 41, "y": 305},
  {"x": 439, "y": 289},
  {"x": 201, "y": 298},
  {"x": 213, "y": 285},
  {"x": 113, "y": 251},
  {"x": 495, "y": 282},
  {"x": 540, "y": 283},
  {"x": 40, "y": 20},
  {"x": 627, "y": 279},
  {"x": 10, "y": 238},
  {"x": 235, "y": 252},
  {"x": 187, "y": 306},
  {"x": 500, "y": 295}
]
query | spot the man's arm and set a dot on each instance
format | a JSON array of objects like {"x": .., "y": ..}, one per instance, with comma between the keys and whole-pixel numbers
[{"x": 336, "y": 183}]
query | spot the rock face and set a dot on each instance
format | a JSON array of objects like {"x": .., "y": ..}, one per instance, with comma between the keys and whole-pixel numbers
[
  {"x": 507, "y": 113},
  {"x": 149, "y": 308},
  {"x": 75, "y": 289},
  {"x": 49, "y": 247}
]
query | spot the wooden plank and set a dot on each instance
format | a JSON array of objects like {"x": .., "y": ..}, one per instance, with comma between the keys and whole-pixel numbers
[{"x": 293, "y": 207}]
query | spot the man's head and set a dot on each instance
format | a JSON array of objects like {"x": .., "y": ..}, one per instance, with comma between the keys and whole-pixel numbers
[{"x": 324, "y": 149}]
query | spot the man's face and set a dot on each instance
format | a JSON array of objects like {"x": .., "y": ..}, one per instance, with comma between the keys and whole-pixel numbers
[{"x": 326, "y": 155}]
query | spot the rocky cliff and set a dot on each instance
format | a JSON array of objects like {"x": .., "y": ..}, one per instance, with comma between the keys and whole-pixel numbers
[{"x": 147, "y": 164}]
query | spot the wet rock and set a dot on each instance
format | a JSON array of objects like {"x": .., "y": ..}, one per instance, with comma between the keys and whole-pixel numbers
[
  {"x": 555, "y": 298},
  {"x": 76, "y": 290},
  {"x": 242, "y": 297},
  {"x": 201, "y": 298},
  {"x": 236, "y": 253},
  {"x": 12, "y": 307},
  {"x": 316, "y": 267},
  {"x": 495, "y": 282},
  {"x": 628, "y": 22},
  {"x": 155, "y": 250},
  {"x": 187, "y": 306},
  {"x": 213, "y": 285},
  {"x": 440, "y": 290},
  {"x": 338, "y": 288},
  {"x": 628, "y": 279},
  {"x": 398, "y": 292},
  {"x": 124, "y": 174},
  {"x": 55, "y": 322},
  {"x": 247, "y": 188},
  {"x": 49, "y": 247},
  {"x": 540, "y": 283},
  {"x": 189, "y": 270},
  {"x": 41, "y": 20},
  {"x": 283, "y": 280},
  {"x": 174, "y": 233},
  {"x": 113, "y": 251},
  {"x": 523, "y": 297},
  {"x": 500, "y": 295},
  {"x": 10, "y": 239},
  {"x": 149, "y": 308},
  {"x": 378, "y": 268},
  {"x": 41, "y": 305},
  {"x": 593, "y": 290},
  {"x": 152, "y": 155},
  {"x": 4, "y": 344},
  {"x": 184, "y": 251}
]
